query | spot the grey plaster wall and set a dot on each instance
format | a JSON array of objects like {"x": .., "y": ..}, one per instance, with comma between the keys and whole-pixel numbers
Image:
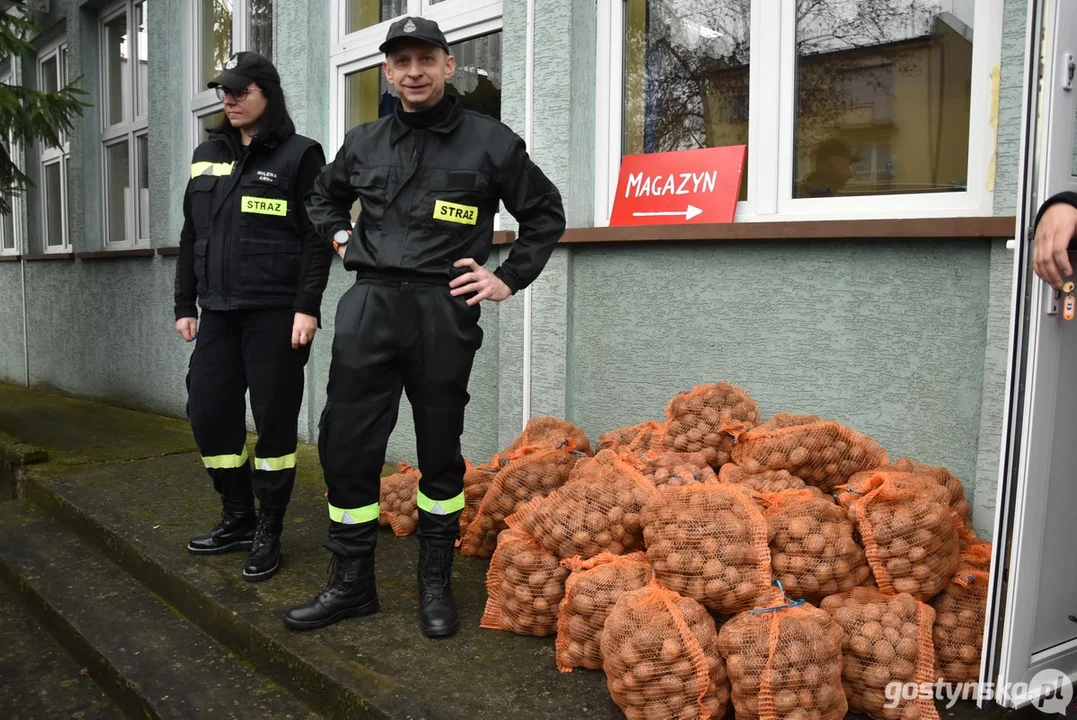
[
  {"x": 12, "y": 359},
  {"x": 886, "y": 338}
]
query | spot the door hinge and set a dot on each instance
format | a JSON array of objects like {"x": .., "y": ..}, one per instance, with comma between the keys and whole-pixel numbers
[{"x": 1068, "y": 69}]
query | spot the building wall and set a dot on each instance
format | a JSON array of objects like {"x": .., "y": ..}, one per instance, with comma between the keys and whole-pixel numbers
[{"x": 903, "y": 340}]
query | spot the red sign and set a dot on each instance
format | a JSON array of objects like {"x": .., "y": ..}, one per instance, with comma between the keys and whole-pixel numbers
[{"x": 688, "y": 186}]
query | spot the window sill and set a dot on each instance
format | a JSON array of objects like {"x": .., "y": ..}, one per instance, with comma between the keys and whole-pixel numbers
[
  {"x": 168, "y": 251},
  {"x": 942, "y": 228},
  {"x": 50, "y": 256},
  {"x": 114, "y": 254},
  {"x": 10, "y": 258}
]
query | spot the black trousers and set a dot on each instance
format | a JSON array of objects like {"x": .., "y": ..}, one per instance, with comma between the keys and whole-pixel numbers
[
  {"x": 393, "y": 336},
  {"x": 237, "y": 350}
]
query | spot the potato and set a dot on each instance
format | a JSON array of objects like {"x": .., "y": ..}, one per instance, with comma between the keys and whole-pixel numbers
[
  {"x": 882, "y": 644},
  {"x": 524, "y": 587},
  {"x": 802, "y": 675},
  {"x": 822, "y": 453},
  {"x": 708, "y": 541},
  {"x": 696, "y": 419},
  {"x": 653, "y": 668},
  {"x": 531, "y": 472},
  {"x": 398, "y": 501},
  {"x": 591, "y": 590},
  {"x": 961, "y": 610}
]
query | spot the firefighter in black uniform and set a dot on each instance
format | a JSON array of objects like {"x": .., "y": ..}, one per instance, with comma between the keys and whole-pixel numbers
[
  {"x": 249, "y": 256},
  {"x": 429, "y": 178}
]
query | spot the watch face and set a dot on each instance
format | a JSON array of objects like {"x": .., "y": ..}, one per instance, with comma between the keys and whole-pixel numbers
[{"x": 341, "y": 236}]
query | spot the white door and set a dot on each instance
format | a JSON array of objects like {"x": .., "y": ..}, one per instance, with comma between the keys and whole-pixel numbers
[{"x": 1031, "y": 632}]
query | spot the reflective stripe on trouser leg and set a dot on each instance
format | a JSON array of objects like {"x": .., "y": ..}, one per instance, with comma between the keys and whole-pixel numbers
[
  {"x": 285, "y": 462},
  {"x": 440, "y": 507},
  {"x": 353, "y": 532},
  {"x": 225, "y": 462},
  {"x": 273, "y": 479},
  {"x": 354, "y": 516}
]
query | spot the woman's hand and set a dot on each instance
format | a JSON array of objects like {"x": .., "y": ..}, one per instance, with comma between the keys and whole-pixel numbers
[
  {"x": 187, "y": 328},
  {"x": 303, "y": 328}
]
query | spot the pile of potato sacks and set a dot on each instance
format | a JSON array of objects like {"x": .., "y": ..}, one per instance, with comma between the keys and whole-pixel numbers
[{"x": 715, "y": 563}]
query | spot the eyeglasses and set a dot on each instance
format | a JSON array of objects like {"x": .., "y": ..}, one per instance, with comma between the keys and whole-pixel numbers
[{"x": 238, "y": 95}]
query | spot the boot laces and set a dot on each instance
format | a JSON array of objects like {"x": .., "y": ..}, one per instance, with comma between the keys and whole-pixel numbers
[
  {"x": 436, "y": 571},
  {"x": 263, "y": 536}
]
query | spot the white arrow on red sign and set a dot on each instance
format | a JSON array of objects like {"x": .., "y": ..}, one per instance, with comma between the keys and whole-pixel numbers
[{"x": 690, "y": 213}]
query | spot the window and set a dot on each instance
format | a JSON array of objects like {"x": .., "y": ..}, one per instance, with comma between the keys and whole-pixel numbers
[
  {"x": 52, "y": 76},
  {"x": 360, "y": 92},
  {"x": 222, "y": 28},
  {"x": 849, "y": 108},
  {"x": 9, "y": 242},
  {"x": 124, "y": 134}
]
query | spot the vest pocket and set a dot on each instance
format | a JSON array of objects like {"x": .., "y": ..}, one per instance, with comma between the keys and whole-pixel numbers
[
  {"x": 201, "y": 192},
  {"x": 265, "y": 204},
  {"x": 269, "y": 266}
]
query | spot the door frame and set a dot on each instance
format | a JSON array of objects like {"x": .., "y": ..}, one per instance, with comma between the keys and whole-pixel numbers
[{"x": 1007, "y": 635}]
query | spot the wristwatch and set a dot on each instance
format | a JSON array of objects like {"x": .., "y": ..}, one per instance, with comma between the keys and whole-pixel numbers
[{"x": 341, "y": 238}]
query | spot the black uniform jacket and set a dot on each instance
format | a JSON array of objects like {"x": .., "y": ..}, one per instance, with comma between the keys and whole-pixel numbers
[
  {"x": 247, "y": 242},
  {"x": 428, "y": 197}
]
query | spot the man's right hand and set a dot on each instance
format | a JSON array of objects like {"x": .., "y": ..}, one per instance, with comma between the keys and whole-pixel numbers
[
  {"x": 187, "y": 328},
  {"x": 1050, "y": 257}
]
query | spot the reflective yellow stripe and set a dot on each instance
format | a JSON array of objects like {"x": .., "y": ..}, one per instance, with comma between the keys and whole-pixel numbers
[
  {"x": 284, "y": 462},
  {"x": 354, "y": 516},
  {"x": 263, "y": 206},
  {"x": 211, "y": 168},
  {"x": 440, "y": 507},
  {"x": 224, "y": 462},
  {"x": 451, "y": 212}
]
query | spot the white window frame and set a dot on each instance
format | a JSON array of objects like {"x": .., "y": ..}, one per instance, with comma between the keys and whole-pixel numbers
[
  {"x": 204, "y": 101},
  {"x": 129, "y": 130},
  {"x": 49, "y": 155},
  {"x": 17, "y": 206},
  {"x": 772, "y": 125},
  {"x": 354, "y": 52}
]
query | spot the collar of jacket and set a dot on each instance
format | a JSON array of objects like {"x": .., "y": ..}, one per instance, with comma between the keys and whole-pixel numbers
[
  {"x": 233, "y": 143},
  {"x": 450, "y": 123}
]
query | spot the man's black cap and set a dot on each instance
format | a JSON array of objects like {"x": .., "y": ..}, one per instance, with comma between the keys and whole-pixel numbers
[
  {"x": 415, "y": 28},
  {"x": 243, "y": 68}
]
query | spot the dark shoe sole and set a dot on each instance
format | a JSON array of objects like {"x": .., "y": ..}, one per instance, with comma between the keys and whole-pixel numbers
[
  {"x": 230, "y": 547},
  {"x": 265, "y": 574},
  {"x": 441, "y": 632},
  {"x": 362, "y": 611}
]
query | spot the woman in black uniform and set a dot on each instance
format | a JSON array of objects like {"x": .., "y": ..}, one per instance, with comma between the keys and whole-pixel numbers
[{"x": 251, "y": 260}]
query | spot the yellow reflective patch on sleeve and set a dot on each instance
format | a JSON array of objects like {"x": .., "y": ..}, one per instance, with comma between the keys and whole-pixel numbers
[
  {"x": 451, "y": 212},
  {"x": 263, "y": 206}
]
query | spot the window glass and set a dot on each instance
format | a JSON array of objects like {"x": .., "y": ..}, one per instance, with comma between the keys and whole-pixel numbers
[
  {"x": 260, "y": 21},
  {"x": 367, "y": 13},
  {"x": 118, "y": 187},
  {"x": 54, "y": 206},
  {"x": 883, "y": 96},
  {"x": 143, "y": 187},
  {"x": 117, "y": 68},
  {"x": 216, "y": 36},
  {"x": 686, "y": 75},
  {"x": 208, "y": 122},
  {"x": 143, "y": 59},
  {"x": 8, "y": 232}
]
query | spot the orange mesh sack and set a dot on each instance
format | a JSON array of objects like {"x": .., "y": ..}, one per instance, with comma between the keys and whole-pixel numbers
[
  {"x": 590, "y": 593},
  {"x": 762, "y": 482},
  {"x": 907, "y": 531},
  {"x": 812, "y": 549},
  {"x": 644, "y": 436},
  {"x": 547, "y": 433},
  {"x": 399, "y": 497},
  {"x": 960, "y": 613},
  {"x": 529, "y": 473},
  {"x": 784, "y": 661},
  {"x": 959, "y": 505},
  {"x": 660, "y": 655},
  {"x": 697, "y": 416},
  {"x": 477, "y": 480},
  {"x": 524, "y": 587},
  {"x": 887, "y": 639},
  {"x": 670, "y": 469},
  {"x": 709, "y": 541},
  {"x": 820, "y": 452},
  {"x": 597, "y": 510}
]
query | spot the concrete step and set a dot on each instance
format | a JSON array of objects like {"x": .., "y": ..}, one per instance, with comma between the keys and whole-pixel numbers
[
  {"x": 40, "y": 679},
  {"x": 150, "y": 660}
]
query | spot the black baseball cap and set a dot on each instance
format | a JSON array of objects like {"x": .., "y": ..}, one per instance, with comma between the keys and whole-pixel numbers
[
  {"x": 415, "y": 28},
  {"x": 243, "y": 68}
]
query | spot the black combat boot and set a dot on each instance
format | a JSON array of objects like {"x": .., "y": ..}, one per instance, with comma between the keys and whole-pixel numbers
[
  {"x": 266, "y": 552},
  {"x": 437, "y": 607},
  {"x": 235, "y": 531},
  {"x": 351, "y": 592}
]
